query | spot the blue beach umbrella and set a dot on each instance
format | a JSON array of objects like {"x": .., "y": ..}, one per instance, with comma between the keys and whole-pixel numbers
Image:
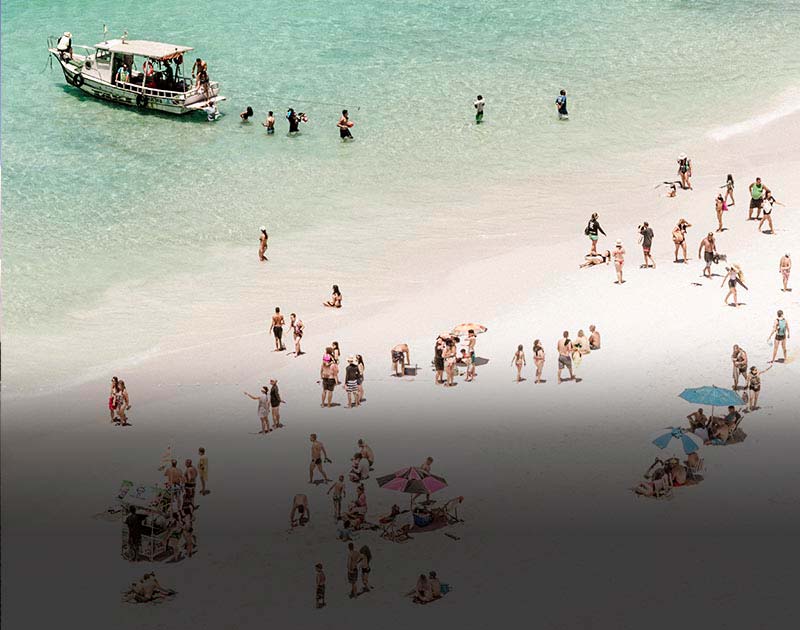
[
  {"x": 689, "y": 441},
  {"x": 714, "y": 396}
]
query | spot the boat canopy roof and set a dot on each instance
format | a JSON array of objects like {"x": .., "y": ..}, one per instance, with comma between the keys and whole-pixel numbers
[{"x": 143, "y": 48}]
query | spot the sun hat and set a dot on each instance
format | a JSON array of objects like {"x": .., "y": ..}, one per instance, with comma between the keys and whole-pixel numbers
[
  {"x": 619, "y": 242},
  {"x": 682, "y": 156},
  {"x": 263, "y": 228},
  {"x": 326, "y": 358}
]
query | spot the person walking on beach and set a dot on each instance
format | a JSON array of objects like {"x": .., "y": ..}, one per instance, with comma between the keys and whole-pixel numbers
[
  {"x": 319, "y": 584},
  {"x": 275, "y": 402},
  {"x": 328, "y": 376},
  {"x": 269, "y": 123},
  {"x": 339, "y": 492},
  {"x": 685, "y": 171},
  {"x": 707, "y": 249},
  {"x": 561, "y": 105},
  {"x": 619, "y": 260},
  {"x": 538, "y": 359},
  {"x": 479, "y": 104},
  {"x": 785, "y": 267},
  {"x": 646, "y": 232},
  {"x": 262, "y": 244},
  {"x": 363, "y": 562},
  {"x": 276, "y": 328},
  {"x": 263, "y": 408},
  {"x": 344, "y": 126},
  {"x": 721, "y": 208},
  {"x": 202, "y": 467},
  {"x": 297, "y": 327},
  {"x": 518, "y": 360},
  {"x": 757, "y": 193},
  {"x": 679, "y": 238},
  {"x": 780, "y": 330},
  {"x": 401, "y": 356},
  {"x": 353, "y": 558},
  {"x": 565, "y": 356},
  {"x": 739, "y": 360},
  {"x": 767, "y": 216},
  {"x": 729, "y": 190},
  {"x": 318, "y": 453},
  {"x": 591, "y": 231},
  {"x": 112, "y": 397},
  {"x": 732, "y": 277}
]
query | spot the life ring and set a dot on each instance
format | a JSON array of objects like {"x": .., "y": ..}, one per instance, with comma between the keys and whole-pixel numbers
[
  {"x": 77, "y": 80},
  {"x": 141, "y": 100}
]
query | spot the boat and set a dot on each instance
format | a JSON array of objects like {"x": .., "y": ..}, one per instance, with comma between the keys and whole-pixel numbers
[{"x": 138, "y": 73}]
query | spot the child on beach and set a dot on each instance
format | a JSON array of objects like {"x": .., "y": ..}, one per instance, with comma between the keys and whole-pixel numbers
[
  {"x": 320, "y": 585},
  {"x": 518, "y": 360},
  {"x": 339, "y": 492},
  {"x": 619, "y": 260}
]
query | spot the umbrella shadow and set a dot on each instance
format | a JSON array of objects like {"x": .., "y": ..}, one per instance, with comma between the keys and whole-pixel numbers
[{"x": 480, "y": 361}]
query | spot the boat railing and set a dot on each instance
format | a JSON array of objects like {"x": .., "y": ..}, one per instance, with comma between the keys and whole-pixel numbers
[{"x": 157, "y": 92}]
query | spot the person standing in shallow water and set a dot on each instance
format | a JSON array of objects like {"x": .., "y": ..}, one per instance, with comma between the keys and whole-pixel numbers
[
  {"x": 262, "y": 244},
  {"x": 561, "y": 105},
  {"x": 479, "y": 104},
  {"x": 269, "y": 123},
  {"x": 344, "y": 125}
]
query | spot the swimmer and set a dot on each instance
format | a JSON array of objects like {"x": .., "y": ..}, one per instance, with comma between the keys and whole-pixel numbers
[
  {"x": 344, "y": 126},
  {"x": 479, "y": 104},
  {"x": 561, "y": 105},
  {"x": 262, "y": 244},
  {"x": 246, "y": 114},
  {"x": 269, "y": 123}
]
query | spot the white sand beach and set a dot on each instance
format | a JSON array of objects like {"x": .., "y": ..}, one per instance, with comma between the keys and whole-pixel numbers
[{"x": 552, "y": 530}]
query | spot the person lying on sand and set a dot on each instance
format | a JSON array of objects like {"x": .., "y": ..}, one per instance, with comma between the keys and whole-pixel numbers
[{"x": 596, "y": 259}]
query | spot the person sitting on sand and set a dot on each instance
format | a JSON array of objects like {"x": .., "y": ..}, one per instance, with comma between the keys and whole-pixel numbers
[
  {"x": 596, "y": 259},
  {"x": 422, "y": 591},
  {"x": 594, "y": 338},
  {"x": 401, "y": 356},
  {"x": 366, "y": 452},
  {"x": 336, "y": 298},
  {"x": 148, "y": 589},
  {"x": 697, "y": 420},
  {"x": 359, "y": 469},
  {"x": 357, "y": 511},
  {"x": 345, "y": 533},
  {"x": 581, "y": 344},
  {"x": 300, "y": 509}
]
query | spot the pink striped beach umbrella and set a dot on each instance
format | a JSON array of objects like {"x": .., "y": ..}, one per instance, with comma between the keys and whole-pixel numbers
[{"x": 412, "y": 480}]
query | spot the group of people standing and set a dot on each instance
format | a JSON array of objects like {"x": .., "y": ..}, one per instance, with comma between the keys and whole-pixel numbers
[
  {"x": 446, "y": 358},
  {"x": 294, "y": 118},
  {"x": 119, "y": 403}
]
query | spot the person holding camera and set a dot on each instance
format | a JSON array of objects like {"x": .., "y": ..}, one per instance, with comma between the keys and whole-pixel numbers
[{"x": 646, "y": 233}]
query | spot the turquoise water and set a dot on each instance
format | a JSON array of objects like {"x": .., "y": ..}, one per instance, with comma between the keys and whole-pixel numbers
[{"x": 95, "y": 194}]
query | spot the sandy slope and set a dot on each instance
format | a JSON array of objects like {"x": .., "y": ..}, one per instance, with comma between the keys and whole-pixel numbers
[{"x": 552, "y": 534}]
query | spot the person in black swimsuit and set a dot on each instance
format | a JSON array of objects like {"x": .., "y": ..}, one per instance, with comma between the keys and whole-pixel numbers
[{"x": 294, "y": 121}]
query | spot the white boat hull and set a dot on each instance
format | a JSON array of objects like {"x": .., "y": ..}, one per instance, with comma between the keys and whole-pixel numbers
[{"x": 134, "y": 95}]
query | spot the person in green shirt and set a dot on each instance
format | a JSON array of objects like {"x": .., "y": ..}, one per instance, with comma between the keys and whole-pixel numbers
[{"x": 757, "y": 194}]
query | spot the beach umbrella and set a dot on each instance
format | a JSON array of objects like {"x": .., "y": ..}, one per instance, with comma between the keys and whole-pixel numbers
[
  {"x": 412, "y": 480},
  {"x": 463, "y": 329},
  {"x": 688, "y": 440},
  {"x": 711, "y": 395}
]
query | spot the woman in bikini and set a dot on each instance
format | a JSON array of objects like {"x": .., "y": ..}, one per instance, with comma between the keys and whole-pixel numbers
[
  {"x": 729, "y": 190},
  {"x": 519, "y": 362},
  {"x": 767, "y": 215},
  {"x": 262, "y": 245},
  {"x": 754, "y": 386},
  {"x": 119, "y": 404},
  {"x": 336, "y": 352},
  {"x": 449, "y": 355},
  {"x": 720, "y": 207},
  {"x": 619, "y": 260},
  {"x": 112, "y": 407},
  {"x": 679, "y": 238},
  {"x": 360, "y": 364},
  {"x": 538, "y": 359},
  {"x": 336, "y": 298}
]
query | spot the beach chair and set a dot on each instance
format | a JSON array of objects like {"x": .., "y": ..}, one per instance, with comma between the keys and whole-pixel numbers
[
  {"x": 694, "y": 472},
  {"x": 662, "y": 488},
  {"x": 451, "y": 510}
]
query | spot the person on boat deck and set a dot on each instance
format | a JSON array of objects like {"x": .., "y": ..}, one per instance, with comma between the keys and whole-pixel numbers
[
  {"x": 64, "y": 45},
  {"x": 148, "y": 72},
  {"x": 123, "y": 74}
]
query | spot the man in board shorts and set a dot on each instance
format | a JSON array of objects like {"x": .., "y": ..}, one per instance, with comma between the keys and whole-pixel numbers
[
  {"x": 757, "y": 193},
  {"x": 327, "y": 374},
  {"x": 565, "y": 356}
]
